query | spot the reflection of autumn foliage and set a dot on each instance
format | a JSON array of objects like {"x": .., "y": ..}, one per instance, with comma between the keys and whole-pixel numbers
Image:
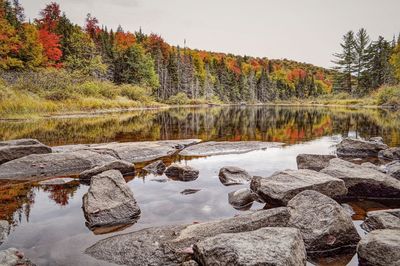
[
  {"x": 15, "y": 200},
  {"x": 62, "y": 193}
]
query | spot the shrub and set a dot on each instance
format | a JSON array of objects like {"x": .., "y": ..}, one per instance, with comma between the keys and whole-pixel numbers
[
  {"x": 179, "y": 99},
  {"x": 388, "y": 95},
  {"x": 135, "y": 93}
]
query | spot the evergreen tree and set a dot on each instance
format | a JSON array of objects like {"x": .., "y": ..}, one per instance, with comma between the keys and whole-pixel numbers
[{"x": 361, "y": 44}]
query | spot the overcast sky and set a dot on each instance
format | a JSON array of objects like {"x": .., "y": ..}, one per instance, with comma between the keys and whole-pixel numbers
[{"x": 303, "y": 30}]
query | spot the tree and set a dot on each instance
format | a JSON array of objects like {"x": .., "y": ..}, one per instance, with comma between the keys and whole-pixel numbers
[
  {"x": 31, "y": 51},
  {"x": 91, "y": 27},
  {"x": 395, "y": 61},
  {"x": 10, "y": 45},
  {"x": 361, "y": 44},
  {"x": 49, "y": 17},
  {"x": 51, "y": 47},
  {"x": 345, "y": 62}
]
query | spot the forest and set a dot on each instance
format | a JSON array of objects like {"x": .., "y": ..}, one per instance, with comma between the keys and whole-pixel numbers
[{"x": 59, "y": 61}]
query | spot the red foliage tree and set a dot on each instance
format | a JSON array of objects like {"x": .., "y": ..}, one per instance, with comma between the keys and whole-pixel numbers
[
  {"x": 123, "y": 40},
  {"x": 50, "y": 16},
  {"x": 91, "y": 27},
  {"x": 51, "y": 47}
]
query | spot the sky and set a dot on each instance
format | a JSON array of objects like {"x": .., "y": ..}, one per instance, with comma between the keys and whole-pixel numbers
[{"x": 302, "y": 30}]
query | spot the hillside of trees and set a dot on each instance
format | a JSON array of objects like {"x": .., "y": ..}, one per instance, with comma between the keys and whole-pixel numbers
[{"x": 88, "y": 56}]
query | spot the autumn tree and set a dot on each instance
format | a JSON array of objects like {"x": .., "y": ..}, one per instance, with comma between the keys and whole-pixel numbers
[{"x": 31, "y": 50}]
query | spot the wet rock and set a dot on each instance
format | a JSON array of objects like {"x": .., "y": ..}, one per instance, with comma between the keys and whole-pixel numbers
[
  {"x": 37, "y": 166},
  {"x": 14, "y": 149},
  {"x": 182, "y": 172},
  {"x": 4, "y": 230},
  {"x": 384, "y": 219},
  {"x": 314, "y": 162},
  {"x": 266, "y": 246},
  {"x": 380, "y": 248},
  {"x": 226, "y": 147},
  {"x": 57, "y": 181},
  {"x": 363, "y": 182},
  {"x": 231, "y": 175},
  {"x": 282, "y": 186},
  {"x": 109, "y": 201},
  {"x": 241, "y": 198},
  {"x": 189, "y": 191},
  {"x": 393, "y": 169},
  {"x": 156, "y": 168},
  {"x": 359, "y": 148},
  {"x": 125, "y": 168},
  {"x": 324, "y": 224},
  {"x": 348, "y": 209},
  {"x": 14, "y": 257},
  {"x": 390, "y": 154},
  {"x": 169, "y": 245}
]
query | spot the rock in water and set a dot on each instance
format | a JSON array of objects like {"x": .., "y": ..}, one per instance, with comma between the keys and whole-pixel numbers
[
  {"x": 314, "y": 162},
  {"x": 359, "y": 148},
  {"x": 109, "y": 201},
  {"x": 231, "y": 175},
  {"x": 156, "y": 168},
  {"x": 14, "y": 149},
  {"x": 384, "y": 219},
  {"x": 283, "y": 186},
  {"x": 182, "y": 172},
  {"x": 363, "y": 182},
  {"x": 241, "y": 198},
  {"x": 324, "y": 224},
  {"x": 4, "y": 230},
  {"x": 14, "y": 257},
  {"x": 380, "y": 248},
  {"x": 390, "y": 154},
  {"x": 125, "y": 168},
  {"x": 278, "y": 246}
]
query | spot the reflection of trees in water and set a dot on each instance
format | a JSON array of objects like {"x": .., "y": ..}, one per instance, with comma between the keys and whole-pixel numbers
[
  {"x": 61, "y": 194},
  {"x": 276, "y": 123}
]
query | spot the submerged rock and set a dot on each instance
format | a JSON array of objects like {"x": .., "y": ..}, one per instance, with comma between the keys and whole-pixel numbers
[
  {"x": 241, "y": 198},
  {"x": 226, "y": 147},
  {"x": 384, "y": 219},
  {"x": 109, "y": 201},
  {"x": 168, "y": 245},
  {"x": 156, "y": 168},
  {"x": 14, "y": 257},
  {"x": 14, "y": 149},
  {"x": 231, "y": 175},
  {"x": 360, "y": 148},
  {"x": 363, "y": 182},
  {"x": 125, "y": 168},
  {"x": 324, "y": 224},
  {"x": 4, "y": 230},
  {"x": 57, "y": 181},
  {"x": 380, "y": 248},
  {"x": 314, "y": 162},
  {"x": 266, "y": 246},
  {"x": 390, "y": 154},
  {"x": 189, "y": 191},
  {"x": 37, "y": 166},
  {"x": 182, "y": 172},
  {"x": 282, "y": 186}
]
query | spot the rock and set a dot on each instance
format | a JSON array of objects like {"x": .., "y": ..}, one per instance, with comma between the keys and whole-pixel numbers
[
  {"x": 363, "y": 182},
  {"x": 226, "y": 147},
  {"x": 348, "y": 209},
  {"x": 393, "y": 169},
  {"x": 314, "y": 162},
  {"x": 376, "y": 139},
  {"x": 390, "y": 154},
  {"x": 384, "y": 219},
  {"x": 282, "y": 186},
  {"x": 231, "y": 175},
  {"x": 380, "y": 248},
  {"x": 169, "y": 245},
  {"x": 125, "y": 168},
  {"x": 241, "y": 198},
  {"x": 14, "y": 149},
  {"x": 324, "y": 224},
  {"x": 266, "y": 246},
  {"x": 190, "y": 263},
  {"x": 14, "y": 257},
  {"x": 156, "y": 168},
  {"x": 373, "y": 166},
  {"x": 182, "y": 172},
  {"x": 109, "y": 201},
  {"x": 359, "y": 148},
  {"x": 4, "y": 230},
  {"x": 37, "y": 166},
  {"x": 57, "y": 181},
  {"x": 189, "y": 191}
]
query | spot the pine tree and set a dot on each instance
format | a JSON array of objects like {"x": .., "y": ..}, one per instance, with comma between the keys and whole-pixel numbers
[{"x": 361, "y": 44}]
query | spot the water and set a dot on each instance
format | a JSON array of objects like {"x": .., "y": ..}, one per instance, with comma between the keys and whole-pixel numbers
[{"x": 48, "y": 222}]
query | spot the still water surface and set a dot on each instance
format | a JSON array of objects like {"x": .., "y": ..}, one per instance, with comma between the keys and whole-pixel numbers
[{"x": 48, "y": 222}]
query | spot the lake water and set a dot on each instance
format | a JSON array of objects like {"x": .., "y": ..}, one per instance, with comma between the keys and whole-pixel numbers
[{"x": 48, "y": 222}]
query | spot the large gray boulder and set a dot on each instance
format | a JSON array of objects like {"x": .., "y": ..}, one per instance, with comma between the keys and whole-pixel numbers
[
  {"x": 324, "y": 224},
  {"x": 227, "y": 147},
  {"x": 14, "y": 257},
  {"x": 360, "y": 148},
  {"x": 14, "y": 149},
  {"x": 109, "y": 201},
  {"x": 169, "y": 245},
  {"x": 125, "y": 168},
  {"x": 383, "y": 219},
  {"x": 37, "y": 166},
  {"x": 393, "y": 169},
  {"x": 390, "y": 154},
  {"x": 231, "y": 175},
  {"x": 156, "y": 168},
  {"x": 314, "y": 162},
  {"x": 241, "y": 198},
  {"x": 278, "y": 246},
  {"x": 182, "y": 172},
  {"x": 4, "y": 230},
  {"x": 363, "y": 182},
  {"x": 282, "y": 186},
  {"x": 380, "y": 248}
]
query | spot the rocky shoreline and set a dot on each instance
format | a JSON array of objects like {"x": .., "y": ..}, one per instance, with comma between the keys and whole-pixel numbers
[{"x": 304, "y": 217}]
